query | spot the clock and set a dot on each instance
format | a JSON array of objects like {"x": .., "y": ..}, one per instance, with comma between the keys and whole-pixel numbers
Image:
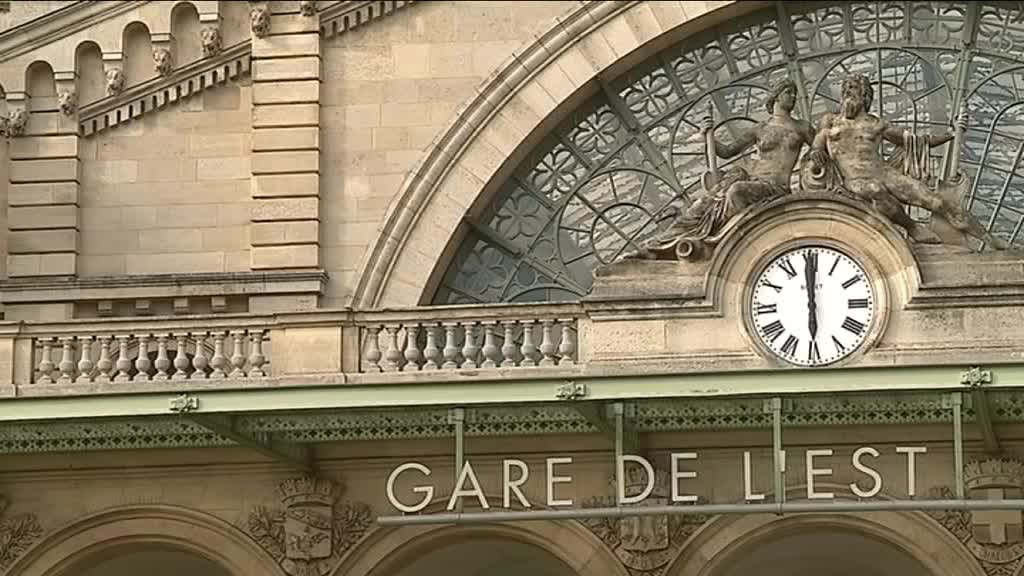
[{"x": 812, "y": 306}]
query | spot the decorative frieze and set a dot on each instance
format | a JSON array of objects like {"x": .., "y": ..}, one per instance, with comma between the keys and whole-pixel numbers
[
  {"x": 313, "y": 528},
  {"x": 345, "y": 16}
]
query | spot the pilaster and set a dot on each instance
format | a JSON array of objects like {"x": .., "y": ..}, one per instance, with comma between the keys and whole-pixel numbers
[
  {"x": 286, "y": 140},
  {"x": 43, "y": 215}
]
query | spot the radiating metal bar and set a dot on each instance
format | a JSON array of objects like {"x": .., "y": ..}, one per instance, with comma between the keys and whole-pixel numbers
[{"x": 705, "y": 509}]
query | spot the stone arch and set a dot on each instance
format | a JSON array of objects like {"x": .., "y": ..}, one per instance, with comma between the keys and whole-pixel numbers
[
  {"x": 185, "y": 32},
  {"x": 91, "y": 82},
  {"x": 39, "y": 80},
  {"x": 516, "y": 105},
  {"x": 189, "y": 530},
  {"x": 138, "y": 53},
  {"x": 388, "y": 548}
]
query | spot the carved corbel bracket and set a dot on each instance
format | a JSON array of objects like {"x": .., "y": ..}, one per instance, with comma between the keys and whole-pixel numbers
[
  {"x": 259, "y": 18},
  {"x": 67, "y": 92}
]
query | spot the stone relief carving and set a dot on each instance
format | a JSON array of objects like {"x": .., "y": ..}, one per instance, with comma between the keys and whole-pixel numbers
[
  {"x": 67, "y": 101},
  {"x": 212, "y": 41},
  {"x": 259, "y": 17},
  {"x": 646, "y": 545},
  {"x": 115, "y": 81},
  {"x": 163, "y": 63},
  {"x": 844, "y": 159},
  {"x": 307, "y": 7},
  {"x": 313, "y": 529},
  {"x": 777, "y": 141},
  {"x": 994, "y": 537},
  {"x": 17, "y": 533},
  {"x": 14, "y": 123}
]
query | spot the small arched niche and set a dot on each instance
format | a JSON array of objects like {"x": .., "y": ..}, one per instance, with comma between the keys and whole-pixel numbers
[
  {"x": 186, "y": 32},
  {"x": 145, "y": 559},
  {"x": 39, "y": 79},
  {"x": 89, "y": 68},
  {"x": 488, "y": 556},
  {"x": 138, "y": 54}
]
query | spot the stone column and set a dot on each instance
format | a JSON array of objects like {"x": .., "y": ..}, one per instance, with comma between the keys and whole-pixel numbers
[
  {"x": 43, "y": 195},
  {"x": 286, "y": 140}
]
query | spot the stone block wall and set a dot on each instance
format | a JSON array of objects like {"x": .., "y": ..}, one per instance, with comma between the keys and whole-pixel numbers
[
  {"x": 170, "y": 193},
  {"x": 388, "y": 90}
]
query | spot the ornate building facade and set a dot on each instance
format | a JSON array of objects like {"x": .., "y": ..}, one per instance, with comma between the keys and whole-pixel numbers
[{"x": 615, "y": 288}]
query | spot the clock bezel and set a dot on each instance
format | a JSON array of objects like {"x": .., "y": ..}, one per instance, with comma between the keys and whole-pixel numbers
[{"x": 874, "y": 276}]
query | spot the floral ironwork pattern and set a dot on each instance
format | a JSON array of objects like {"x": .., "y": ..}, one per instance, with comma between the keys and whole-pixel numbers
[{"x": 617, "y": 169}]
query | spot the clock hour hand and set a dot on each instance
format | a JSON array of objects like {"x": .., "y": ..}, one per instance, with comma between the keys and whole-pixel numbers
[{"x": 811, "y": 277}]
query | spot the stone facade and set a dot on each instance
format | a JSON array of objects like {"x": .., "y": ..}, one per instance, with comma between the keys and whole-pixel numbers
[{"x": 224, "y": 226}]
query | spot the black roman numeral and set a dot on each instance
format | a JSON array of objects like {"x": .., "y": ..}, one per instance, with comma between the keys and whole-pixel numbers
[
  {"x": 770, "y": 285},
  {"x": 786, "y": 265},
  {"x": 852, "y": 281},
  {"x": 789, "y": 346},
  {"x": 833, "y": 268},
  {"x": 767, "y": 308},
  {"x": 857, "y": 302},
  {"x": 839, "y": 345},
  {"x": 773, "y": 330},
  {"x": 854, "y": 326},
  {"x": 813, "y": 354}
]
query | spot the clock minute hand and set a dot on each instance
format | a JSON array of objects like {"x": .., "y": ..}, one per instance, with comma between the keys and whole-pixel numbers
[{"x": 811, "y": 276}]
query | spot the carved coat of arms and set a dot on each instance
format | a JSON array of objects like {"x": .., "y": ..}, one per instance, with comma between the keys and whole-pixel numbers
[
  {"x": 645, "y": 545},
  {"x": 994, "y": 537},
  {"x": 312, "y": 530}
]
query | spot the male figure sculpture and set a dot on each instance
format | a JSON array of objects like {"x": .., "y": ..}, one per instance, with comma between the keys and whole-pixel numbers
[{"x": 852, "y": 138}]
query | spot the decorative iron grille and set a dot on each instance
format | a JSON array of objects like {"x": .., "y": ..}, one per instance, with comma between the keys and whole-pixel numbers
[{"x": 619, "y": 168}]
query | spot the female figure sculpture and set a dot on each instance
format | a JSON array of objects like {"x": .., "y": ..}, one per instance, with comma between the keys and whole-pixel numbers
[{"x": 777, "y": 144}]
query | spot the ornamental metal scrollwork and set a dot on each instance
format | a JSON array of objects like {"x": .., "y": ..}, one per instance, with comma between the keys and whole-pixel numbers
[
  {"x": 616, "y": 174},
  {"x": 313, "y": 529}
]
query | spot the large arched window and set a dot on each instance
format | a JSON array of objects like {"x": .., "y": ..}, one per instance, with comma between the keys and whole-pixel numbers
[{"x": 616, "y": 169}]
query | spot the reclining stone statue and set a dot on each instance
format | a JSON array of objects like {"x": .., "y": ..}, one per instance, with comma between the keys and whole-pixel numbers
[{"x": 777, "y": 144}]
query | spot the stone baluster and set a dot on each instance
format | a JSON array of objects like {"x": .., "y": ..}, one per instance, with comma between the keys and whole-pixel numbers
[
  {"x": 373, "y": 354},
  {"x": 85, "y": 363},
  {"x": 528, "y": 349},
  {"x": 393, "y": 355},
  {"x": 181, "y": 361},
  {"x": 237, "y": 357},
  {"x": 567, "y": 347},
  {"x": 492, "y": 355},
  {"x": 451, "y": 351},
  {"x": 105, "y": 364},
  {"x": 67, "y": 362},
  {"x": 547, "y": 344},
  {"x": 508, "y": 347},
  {"x": 469, "y": 346},
  {"x": 163, "y": 361},
  {"x": 46, "y": 365},
  {"x": 142, "y": 361},
  {"x": 199, "y": 360},
  {"x": 124, "y": 364},
  {"x": 431, "y": 352},
  {"x": 256, "y": 357},
  {"x": 219, "y": 360},
  {"x": 412, "y": 348}
]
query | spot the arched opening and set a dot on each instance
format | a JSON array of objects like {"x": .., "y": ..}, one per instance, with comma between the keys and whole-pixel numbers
[
  {"x": 483, "y": 557},
  {"x": 39, "y": 80},
  {"x": 185, "y": 31},
  {"x": 820, "y": 552},
  {"x": 138, "y": 54},
  {"x": 149, "y": 560},
  {"x": 89, "y": 67}
]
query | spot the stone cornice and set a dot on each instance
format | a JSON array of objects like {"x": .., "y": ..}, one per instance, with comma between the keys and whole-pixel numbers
[
  {"x": 160, "y": 92},
  {"x": 161, "y": 285},
  {"x": 59, "y": 24},
  {"x": 344, "y": 16}
]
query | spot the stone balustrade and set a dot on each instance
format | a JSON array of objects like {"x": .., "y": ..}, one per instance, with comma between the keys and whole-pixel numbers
[
  {"x": 457, "y": 338},
  {"x": 151, "y": 355},
  {"x": 322, "y": 347}
]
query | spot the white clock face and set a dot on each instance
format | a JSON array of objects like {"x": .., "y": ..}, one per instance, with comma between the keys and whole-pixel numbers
[{"x": 812, "y": 306}]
